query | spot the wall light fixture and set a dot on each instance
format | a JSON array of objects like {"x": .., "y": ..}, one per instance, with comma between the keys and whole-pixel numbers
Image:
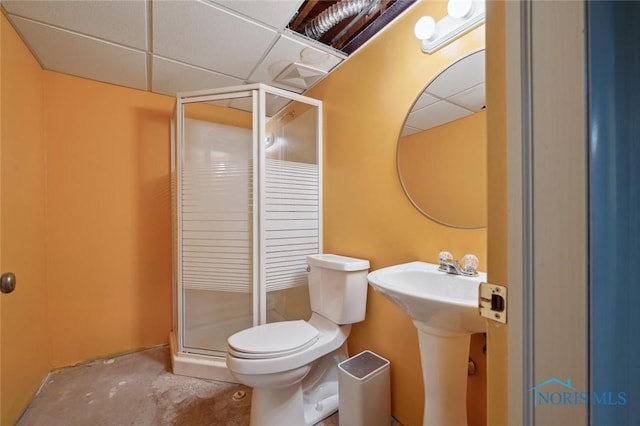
[{"x": 462, "y": 17}]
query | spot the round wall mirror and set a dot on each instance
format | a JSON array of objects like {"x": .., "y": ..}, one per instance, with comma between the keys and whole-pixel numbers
[{"x": 442, "y": 147}]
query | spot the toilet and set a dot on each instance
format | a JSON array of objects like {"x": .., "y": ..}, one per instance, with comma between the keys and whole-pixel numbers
[{"x": 293, "y": 365}]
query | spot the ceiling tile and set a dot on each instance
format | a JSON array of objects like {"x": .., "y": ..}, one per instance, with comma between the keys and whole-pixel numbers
[
  {"x": 434, "y": 115},
  {"x": 473, "y": 99},
  {"x": 462, "y": 75},
  {"x": 286, "y": 52},
  {"x": 408, "y": 130},
  {"x": 63, "y": 51},
  {"x": 169, "y": 78},
  {"x": 276, "y": 13},
  {"x": 122, "y": 22},
  {"x": 424, "y": 100},
  {"x": 203, "y": 35}
]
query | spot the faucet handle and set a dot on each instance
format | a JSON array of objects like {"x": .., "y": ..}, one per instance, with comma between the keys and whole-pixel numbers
[
  {"x": 470, "y": 264},
  {"x": 444, "y": 258}
]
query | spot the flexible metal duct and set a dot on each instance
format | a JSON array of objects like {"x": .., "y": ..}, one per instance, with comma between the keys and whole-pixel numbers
[{"x": 333, "y": 15}]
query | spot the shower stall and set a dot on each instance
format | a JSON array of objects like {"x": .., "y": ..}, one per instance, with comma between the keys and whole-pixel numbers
[{"x": 246, "y": 211}]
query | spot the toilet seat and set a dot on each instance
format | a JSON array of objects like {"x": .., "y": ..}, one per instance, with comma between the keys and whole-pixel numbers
[
  {"x": 331, "y": 336},
  {"x": 273, "y": 340}
]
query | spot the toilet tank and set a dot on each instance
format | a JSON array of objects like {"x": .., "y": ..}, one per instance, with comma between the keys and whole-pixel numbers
[{"x": 338, "y": 287}]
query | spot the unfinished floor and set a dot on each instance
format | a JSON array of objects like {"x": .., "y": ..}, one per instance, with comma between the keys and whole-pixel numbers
[{"x": 138, "y": 389}]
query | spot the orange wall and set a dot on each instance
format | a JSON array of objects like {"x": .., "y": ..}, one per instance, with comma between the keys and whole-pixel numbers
[
  {"x": 497, "y": 198},
  {"x": 109, "y": 231},
  {"x": 25, "y": 344},
  {"x": 366, "y": 213},
  {"x": 86, "y": 213}
]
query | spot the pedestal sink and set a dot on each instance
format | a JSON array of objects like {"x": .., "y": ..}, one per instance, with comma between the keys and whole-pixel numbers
[{"x": 444, "y": 309}]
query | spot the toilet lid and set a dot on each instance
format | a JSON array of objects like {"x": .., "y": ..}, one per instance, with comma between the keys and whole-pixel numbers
[{"x": 273, "y": 339}]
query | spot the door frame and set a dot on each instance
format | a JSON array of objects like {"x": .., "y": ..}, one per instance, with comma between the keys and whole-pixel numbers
[{"x": 547, "y": 191}]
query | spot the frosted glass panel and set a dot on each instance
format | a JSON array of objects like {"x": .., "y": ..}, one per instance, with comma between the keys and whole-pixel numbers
[
  {"x": 212, "y": 316},
  {"x": 292, "y": 214},
  {"x": 291, "y": 225},
  {"x": 217, "y": 229},
  {"x": 216, "y": 207}
]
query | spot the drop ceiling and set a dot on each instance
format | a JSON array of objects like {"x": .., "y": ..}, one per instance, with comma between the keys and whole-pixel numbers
[{"x": 174, "y": 46}]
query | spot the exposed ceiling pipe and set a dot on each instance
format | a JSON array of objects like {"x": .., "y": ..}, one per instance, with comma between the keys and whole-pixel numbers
[{"x": 335, "y": 14}]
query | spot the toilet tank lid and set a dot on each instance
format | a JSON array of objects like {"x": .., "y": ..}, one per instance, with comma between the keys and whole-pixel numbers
[{"x": 339, "y": 263}]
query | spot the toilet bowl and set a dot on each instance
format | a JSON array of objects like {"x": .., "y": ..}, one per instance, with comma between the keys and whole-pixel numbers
[
  {"x": 293, "y": 365},
  {"x": 280, "y": 395}
]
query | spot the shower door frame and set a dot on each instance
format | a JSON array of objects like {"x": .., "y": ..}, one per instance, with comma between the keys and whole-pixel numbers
[{"x": 258, "y": 93}]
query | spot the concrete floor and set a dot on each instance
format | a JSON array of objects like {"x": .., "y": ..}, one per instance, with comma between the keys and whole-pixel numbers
[{"x": 138, "y": 389}]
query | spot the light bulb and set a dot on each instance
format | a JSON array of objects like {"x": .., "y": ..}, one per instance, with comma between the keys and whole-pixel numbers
[
  {"x": 425, "y": 28},
  {"x": 459, "y": 9}
]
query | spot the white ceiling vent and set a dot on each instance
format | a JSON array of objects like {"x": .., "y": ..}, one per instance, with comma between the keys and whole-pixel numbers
[{"x": 299, "y": 76}]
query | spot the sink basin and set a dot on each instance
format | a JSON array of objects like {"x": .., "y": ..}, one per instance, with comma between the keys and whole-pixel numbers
[
  {"x": 439, "y": 301},
  {"x": 444, "y": 309}
]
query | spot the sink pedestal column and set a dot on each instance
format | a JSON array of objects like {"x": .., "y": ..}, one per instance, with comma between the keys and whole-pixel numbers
[{"x": 445, "y": 358}]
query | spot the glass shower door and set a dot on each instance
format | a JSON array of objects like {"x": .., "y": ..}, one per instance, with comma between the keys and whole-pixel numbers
[
  {"x": 291, "y": 203},
  {"x": 217, "y": 211},
  {"x": 246, "y": 213}
]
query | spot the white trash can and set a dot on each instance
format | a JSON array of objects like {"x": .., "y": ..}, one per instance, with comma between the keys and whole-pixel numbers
[{"x": 364, "y": 390}]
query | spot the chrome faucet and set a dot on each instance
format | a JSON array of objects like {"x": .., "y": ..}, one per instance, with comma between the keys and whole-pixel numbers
[{"x": 451, "y": 266}]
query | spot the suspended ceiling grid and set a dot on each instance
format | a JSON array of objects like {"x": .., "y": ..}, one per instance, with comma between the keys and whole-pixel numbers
[
  {"x": 172, "y": 46},
  {"x": 167, "y": 47}
]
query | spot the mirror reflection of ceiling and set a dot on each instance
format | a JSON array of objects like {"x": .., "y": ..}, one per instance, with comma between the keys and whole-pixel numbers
[{"x": 457, "y": 92}]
